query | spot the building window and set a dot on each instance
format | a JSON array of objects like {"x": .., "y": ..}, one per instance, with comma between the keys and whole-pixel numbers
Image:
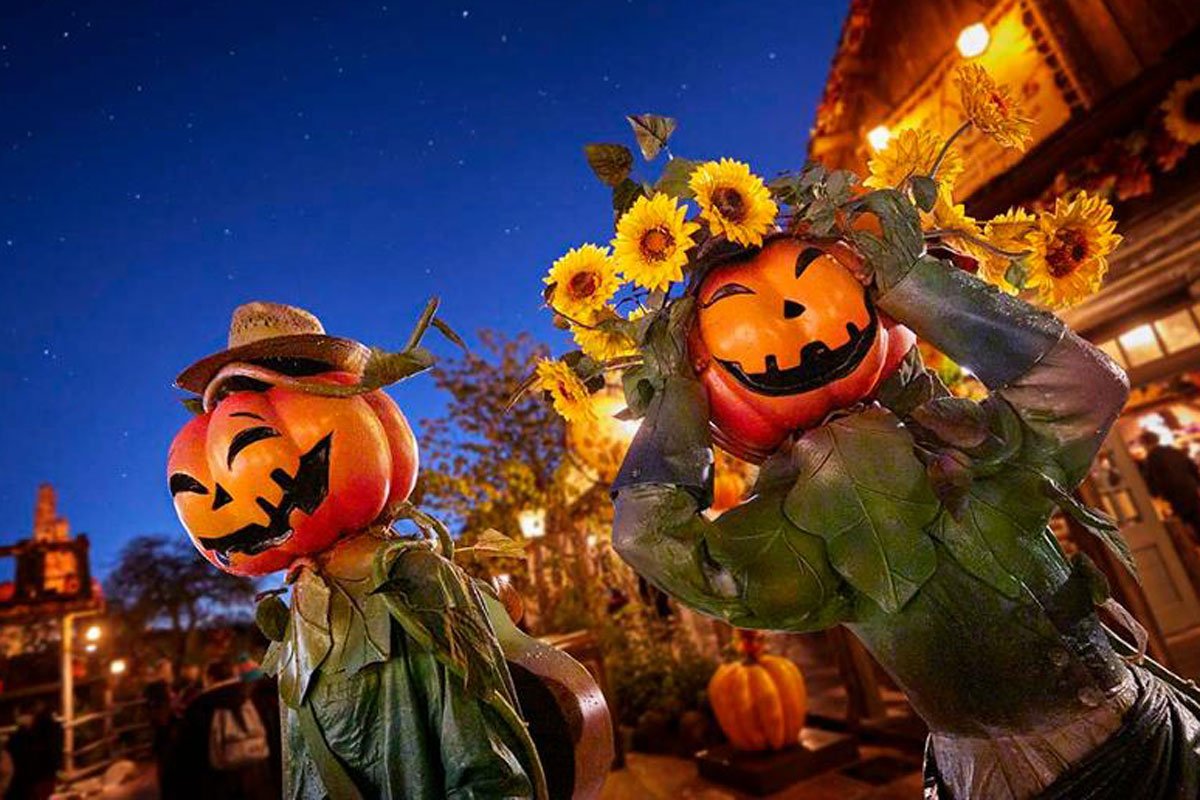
[
  {"x": 1140, "y": 345},
  {"x": 1178, "y": 331}
]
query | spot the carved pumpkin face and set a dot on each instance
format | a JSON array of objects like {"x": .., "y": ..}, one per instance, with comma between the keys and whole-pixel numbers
[
  {"x": 783, "y": 336},
  {"x": 267, "y": 477}
]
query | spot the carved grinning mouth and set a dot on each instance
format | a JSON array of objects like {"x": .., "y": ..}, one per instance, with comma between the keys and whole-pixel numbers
[
  {"x": 305, "y": 490},
  {"x": 819, "y": 363}
]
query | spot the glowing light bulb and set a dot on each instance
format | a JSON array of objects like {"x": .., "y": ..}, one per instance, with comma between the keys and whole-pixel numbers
[
  {"x": 879, "y": 137},
  {"x": 117, "y": 667},
  {"x": 93, "y": 633},
  {"x": 973, "y": 40}
]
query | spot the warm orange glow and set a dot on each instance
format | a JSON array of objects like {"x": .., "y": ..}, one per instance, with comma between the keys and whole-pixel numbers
[{"x": 973, "y": 40}]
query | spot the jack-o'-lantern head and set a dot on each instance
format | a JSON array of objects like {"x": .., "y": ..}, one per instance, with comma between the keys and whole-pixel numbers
[
  {"x": 784, "y": 335},
  {"x": 272, "y": 472}
]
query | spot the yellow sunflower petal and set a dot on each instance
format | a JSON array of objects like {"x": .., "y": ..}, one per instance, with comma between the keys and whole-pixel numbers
[
  {"x": 1008, "y": 231},
  {"x": 992, "y": 108},
  {"x": 1182, "y": 111},
  {"x": 584, "y": 280},
  {"x": 1071, "y": 245},
  {"x": 570, "y": 396},
  {"x": 733, "y": 201},
  {"x": 652, "y": 242},
  {"x": 912, "y": 151}
]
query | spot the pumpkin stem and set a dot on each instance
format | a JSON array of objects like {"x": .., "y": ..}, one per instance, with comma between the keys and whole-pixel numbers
[{"x": 750, "y": 644}]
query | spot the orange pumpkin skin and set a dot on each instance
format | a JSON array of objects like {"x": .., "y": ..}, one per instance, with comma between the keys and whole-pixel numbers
[
  {"x": 759, "y": 703},
  {"x": 757, "y": 313},
  {"x": 268, "y": 477}
]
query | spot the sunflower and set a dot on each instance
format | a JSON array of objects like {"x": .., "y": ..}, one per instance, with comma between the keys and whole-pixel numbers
[
  {"x": 951, "y": 218},
  {"x": 1182, "y": 109},
  {"x": 652, "y": 242},
  {"x": 570, "y": 396},
  {"x": 1008, "y": 231},
  {"x": 912, "y": 152},
  {"x": 1070, "y": 250},
  {"x": 992, "y": 107},
  {"x": 733, "y": 201},
  {"x": 582, "y": 281},
  {"x": 603, "y": 343}
]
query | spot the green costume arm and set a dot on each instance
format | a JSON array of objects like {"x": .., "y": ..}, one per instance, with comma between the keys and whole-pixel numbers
[
  {"x": 1066, "y": 391},
  {"x": 665, "y": 484}
]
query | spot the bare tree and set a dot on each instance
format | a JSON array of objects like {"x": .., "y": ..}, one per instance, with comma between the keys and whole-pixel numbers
[{"x": 164, "y": 581}]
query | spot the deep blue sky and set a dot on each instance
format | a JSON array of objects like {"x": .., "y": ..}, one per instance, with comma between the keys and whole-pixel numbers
[{"x": 159, "y": 166}]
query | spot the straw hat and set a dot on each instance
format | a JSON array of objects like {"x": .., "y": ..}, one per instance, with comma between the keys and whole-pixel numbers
[{"x": 272, "y": 330}]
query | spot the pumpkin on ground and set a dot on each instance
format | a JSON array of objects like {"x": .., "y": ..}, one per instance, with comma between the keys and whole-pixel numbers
[
  {"x": 760, "y": 700},
  {"x": 269, "y": 476},
  {"x": 784, "y": 335}
]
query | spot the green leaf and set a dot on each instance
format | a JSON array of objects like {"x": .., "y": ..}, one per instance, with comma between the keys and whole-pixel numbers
[
  {"x": 193, "y": 404},
  {"x": 308, "y": 641},
  {"x": 674, "y": 178},
  {"x": 910, "y": 386},
  {"x": 271, "y": 616},
  {"x": 862, "y": 490},
  {"x": 625, "y": 194},
  {"x": 360, "y": 624},
  {"x": 1094, "y": 522},
  {"x": 891, "y": 256},
  {"x": 782, "y": 573},
  {"x": 925, "y": 191},
  {"x": 640, "y": 384},
  {"x": 445, "y": 330},
  {"x": 611, "y": 162},
  {"x": 956, "y": 421},
  {"x": 494, "y": 544},
  {"x": 652, "y": 132},
  {"x": 1016, "y": 273}
]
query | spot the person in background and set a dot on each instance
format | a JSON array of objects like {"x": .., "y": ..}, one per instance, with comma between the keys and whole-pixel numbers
[
  {"x": 1173, "y": 476},
  {"x": 160, "y": 710},
  {"x": 222, "y": 749},
  {"x": 264, "y": 694},
  {"x": 188, "y": 687},
  {"x": 36, "y": 751}
]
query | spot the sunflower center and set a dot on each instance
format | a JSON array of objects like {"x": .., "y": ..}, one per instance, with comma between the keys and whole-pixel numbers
[
  {"x": 1068, "y": 250},
  {"x": 583, "y": 285},
  {"x": 729, "y": 203},
  {"x": 657, "y": 244},
  {"x": 1191, "y": 107}
]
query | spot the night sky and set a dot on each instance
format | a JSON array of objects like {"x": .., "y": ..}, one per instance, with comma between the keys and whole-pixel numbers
[{"x": 160, "y": 166}]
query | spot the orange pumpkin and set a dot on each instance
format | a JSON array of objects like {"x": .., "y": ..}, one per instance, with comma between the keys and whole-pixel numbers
[
  {"x": 784, "y": 335},
  {"x": 269, "y": 476},
  {"x": 759, "y": 701}
]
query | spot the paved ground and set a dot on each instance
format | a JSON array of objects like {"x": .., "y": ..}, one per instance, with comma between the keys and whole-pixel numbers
[{"x": 648, "y": 777}]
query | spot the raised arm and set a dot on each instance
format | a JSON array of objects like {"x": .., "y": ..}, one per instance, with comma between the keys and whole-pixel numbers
[
  {"x": 751, "y": 567},
  {"x": 1065, "y": 390}
]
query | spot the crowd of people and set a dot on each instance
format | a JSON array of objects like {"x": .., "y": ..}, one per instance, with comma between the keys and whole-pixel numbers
[{"x": 216, "y": 734}]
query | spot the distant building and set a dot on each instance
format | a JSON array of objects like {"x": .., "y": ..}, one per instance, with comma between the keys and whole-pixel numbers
[{"x": 53, "y": 573}]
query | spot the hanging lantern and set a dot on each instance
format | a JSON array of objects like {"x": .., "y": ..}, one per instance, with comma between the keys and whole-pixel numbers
[{"x": 600, "y": 444}]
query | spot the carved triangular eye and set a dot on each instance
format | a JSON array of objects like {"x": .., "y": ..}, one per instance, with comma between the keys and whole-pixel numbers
[
  {"x": 806, "y": 257},
  {"x": 792, "y": 309},
  {"x": 221, "y": 498}
]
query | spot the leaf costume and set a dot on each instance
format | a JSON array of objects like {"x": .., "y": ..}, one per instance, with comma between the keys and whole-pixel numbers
[
  {"x": 920, "y": 523},
  {"x": 392, "y": 682}
]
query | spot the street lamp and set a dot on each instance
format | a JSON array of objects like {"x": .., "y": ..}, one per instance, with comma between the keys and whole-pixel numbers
[
  {"x": 532, "y": 522},
  {"x": 878, "y": 137},
  {"x": 973, "y": 40},
  {"x": 117, "y": 667},
  {"x": 93, "y": 634}
]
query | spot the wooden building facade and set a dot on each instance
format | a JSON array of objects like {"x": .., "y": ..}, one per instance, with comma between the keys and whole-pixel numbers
[{"x": 1110, "y": 83}]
